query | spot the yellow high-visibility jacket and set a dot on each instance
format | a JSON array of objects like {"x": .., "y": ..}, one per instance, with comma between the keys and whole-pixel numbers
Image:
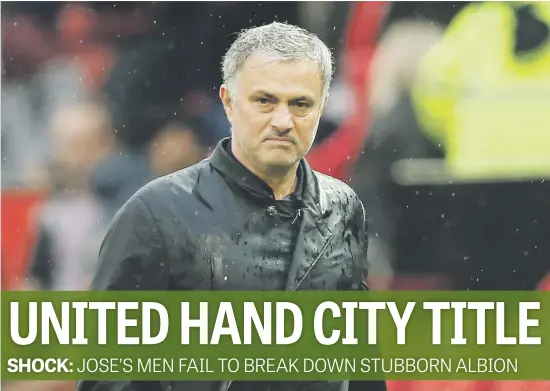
[{"x": 489, "y": 108}]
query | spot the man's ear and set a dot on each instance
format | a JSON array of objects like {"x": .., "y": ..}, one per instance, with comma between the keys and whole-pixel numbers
[
  {"x": 227, "y": 103},
  {"x": 324, "y": 103}
]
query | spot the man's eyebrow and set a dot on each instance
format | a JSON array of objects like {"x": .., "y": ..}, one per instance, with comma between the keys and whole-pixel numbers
[
  {"x": 293, "y": 100},
  {"x": 302, "y": 99},
  {"x": 264, "y": 93}
]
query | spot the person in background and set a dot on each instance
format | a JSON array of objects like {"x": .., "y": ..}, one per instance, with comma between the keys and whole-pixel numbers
[
  {"x": 179, "y": 142},
  {"x": 54, "y": 55},
  {"x": 71, "y": 223},
  {"x": 482, "y": 93},
  {"x": 393, "y": 135}
]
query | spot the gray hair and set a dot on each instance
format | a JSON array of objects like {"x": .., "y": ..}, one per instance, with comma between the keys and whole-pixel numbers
[{"x": 283, "y": 42}]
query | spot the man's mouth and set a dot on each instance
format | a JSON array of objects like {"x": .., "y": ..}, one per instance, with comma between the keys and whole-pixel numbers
[{"x": 280, "y": 139}]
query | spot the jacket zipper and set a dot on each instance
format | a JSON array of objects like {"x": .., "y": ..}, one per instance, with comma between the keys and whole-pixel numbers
[{"x": 298, "y": 213}]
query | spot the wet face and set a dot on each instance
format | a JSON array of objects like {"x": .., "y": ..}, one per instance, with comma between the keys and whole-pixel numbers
[{"x": 276, "y": 112}]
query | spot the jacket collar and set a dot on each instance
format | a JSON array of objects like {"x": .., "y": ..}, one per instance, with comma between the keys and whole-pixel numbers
[{"x": 307, "y": 191}]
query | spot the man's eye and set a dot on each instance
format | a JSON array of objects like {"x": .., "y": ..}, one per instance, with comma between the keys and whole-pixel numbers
[
  {"x": 263, "y": 101},
  {"x": 302, "y": 105}
]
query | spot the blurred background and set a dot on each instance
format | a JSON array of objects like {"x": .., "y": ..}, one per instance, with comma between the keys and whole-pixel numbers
[{"x": 439, "y": 118}]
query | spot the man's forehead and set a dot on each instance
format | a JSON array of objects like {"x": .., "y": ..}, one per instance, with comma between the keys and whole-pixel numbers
[
  {"x": 265, "y": 74},
  {"x": 260, "y": 61}
]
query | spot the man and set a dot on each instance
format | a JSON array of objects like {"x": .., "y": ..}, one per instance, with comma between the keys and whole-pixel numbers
[
  {"x": 71, "y": 222},
  {"x": 253, "y": 216}
]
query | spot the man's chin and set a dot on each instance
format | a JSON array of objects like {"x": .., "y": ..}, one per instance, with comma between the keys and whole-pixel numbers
[{"x": 278, "y": 161}]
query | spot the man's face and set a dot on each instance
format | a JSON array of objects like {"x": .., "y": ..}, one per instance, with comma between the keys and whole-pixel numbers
[{"x": 276, "y": 112}]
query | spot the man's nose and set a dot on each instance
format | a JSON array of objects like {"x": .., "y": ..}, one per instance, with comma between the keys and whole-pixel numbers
[{"x": 282, "y": 118}]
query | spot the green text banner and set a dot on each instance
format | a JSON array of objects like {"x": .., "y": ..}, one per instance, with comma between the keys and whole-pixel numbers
[{"x": 244, "y": 335}]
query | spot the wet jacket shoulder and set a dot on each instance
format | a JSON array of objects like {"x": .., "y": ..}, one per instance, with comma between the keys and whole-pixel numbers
[
  {"x": 137, "y": 249},
  {"x": 346, "y": 201}
]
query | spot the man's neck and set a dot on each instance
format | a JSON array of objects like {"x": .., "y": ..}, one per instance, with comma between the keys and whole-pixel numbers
[
  {"x": 282, "y": 183},
  {"x": 282, "y": 186}
]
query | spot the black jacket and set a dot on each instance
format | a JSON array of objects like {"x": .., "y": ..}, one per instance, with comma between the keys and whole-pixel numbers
[{"x": 187, "y": 230}]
